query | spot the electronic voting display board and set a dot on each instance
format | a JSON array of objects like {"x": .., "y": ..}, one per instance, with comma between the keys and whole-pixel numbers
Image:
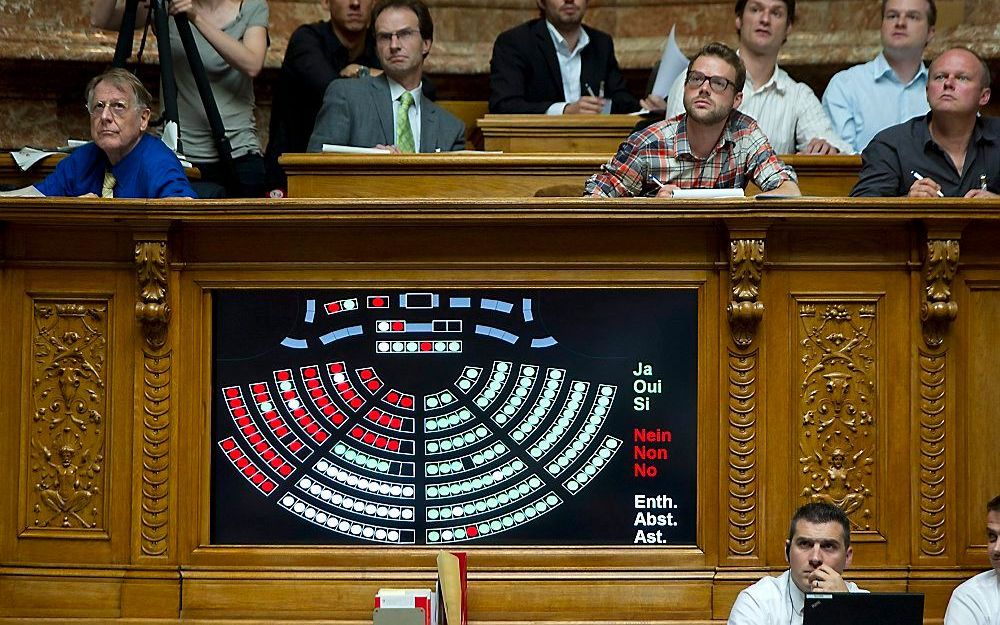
[{"x": 543, "y": 416}]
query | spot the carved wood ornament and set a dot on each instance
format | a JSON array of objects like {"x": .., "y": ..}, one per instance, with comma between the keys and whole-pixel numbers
[
  {"x": 69, "y": 396},
  {"x": 837, "y": 403},
  {"x": 153, "y": 313},
  {"x": 746, "y": 265},
  {"x": 742, "y": 453},
  {"x": 937, "y": 311}
]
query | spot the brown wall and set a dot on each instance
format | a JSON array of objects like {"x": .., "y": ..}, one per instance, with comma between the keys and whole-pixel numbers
[{"x": 48, "y": 51}]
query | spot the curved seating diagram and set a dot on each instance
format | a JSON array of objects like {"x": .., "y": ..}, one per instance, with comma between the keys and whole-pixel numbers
[{"x": 343, "y": 447}]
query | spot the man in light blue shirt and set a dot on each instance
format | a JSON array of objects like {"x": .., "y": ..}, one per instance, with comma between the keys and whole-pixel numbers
[{"x": 891, "y": 88}]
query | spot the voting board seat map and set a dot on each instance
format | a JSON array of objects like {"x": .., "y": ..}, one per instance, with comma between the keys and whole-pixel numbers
[{"x": 423, "y": 417}]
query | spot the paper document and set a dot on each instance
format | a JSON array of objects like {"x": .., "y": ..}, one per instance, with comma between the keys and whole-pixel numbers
[
  {"x": 169, "y": 138},
  {"x": 672, "y": 64},
  {"x": 350, "y": 149},
  {"x": 169, "y": 135},
  {"x": 707, "y": 193},
  {"x": 27, "y": 157}
]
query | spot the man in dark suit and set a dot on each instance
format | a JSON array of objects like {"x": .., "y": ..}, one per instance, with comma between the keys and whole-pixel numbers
[
  {"x": 390, "y": 111},
  {"x": 556, "y": 65},
  {"x": 317, "y": 54}
]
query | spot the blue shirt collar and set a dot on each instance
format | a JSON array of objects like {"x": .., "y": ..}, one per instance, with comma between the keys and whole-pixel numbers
[{"x": 881, "y": 69}]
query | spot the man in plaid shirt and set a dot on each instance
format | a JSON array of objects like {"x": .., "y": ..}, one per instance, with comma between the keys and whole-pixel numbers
[{"x": 711, "y": 145}]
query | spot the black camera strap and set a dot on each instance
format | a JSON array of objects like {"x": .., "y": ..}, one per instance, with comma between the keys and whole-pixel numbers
[{"x": 168, "y": 81}]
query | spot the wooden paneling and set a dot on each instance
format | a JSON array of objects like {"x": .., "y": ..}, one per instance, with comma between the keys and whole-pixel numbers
[
  {"x": 436, "y": 175},
  {"x": 556, "y": 133},
  {"x": 559, "y": 174},
  {"x": 823, "y": 327}
]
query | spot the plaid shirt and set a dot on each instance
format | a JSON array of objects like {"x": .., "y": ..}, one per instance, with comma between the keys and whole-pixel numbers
[{"x": 662, "y": 151}]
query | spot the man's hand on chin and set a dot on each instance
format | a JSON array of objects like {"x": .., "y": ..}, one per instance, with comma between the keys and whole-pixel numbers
[{"x": 827, "y": 579}]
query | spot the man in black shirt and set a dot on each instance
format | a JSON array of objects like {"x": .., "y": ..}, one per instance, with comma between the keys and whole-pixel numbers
[
  {"x": 950, "y": 152},
  {"x": 317, "y": 54}
]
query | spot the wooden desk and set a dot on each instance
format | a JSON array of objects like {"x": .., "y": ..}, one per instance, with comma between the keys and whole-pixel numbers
[
  {"x": 11, "y": 174},
  {"x": 817, "y": 336},
  {"x": 436, "y": 175},
  {"x": 822, "y": 176},
  {"x": 599, "y": 134},
  {"x": 500, "y": 175}
]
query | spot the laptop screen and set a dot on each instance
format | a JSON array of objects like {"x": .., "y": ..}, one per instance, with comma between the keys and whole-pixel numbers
[{"x": 860, "y": 608}]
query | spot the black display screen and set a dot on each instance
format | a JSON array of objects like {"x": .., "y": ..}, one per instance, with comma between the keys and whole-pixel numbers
[{"x": 560, "y": 417}]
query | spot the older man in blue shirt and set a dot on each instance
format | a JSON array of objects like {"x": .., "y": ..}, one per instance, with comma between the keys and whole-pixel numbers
[
  {"x": 888, "y": 90},
  {"x": 123, "y": 161}
]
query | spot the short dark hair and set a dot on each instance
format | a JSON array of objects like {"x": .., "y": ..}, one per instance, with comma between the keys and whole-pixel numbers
[
  {"x": 931, "y": 11},
  {"x": 789, "y": 5},
  {"x": 417, "y": 6},
  {"x": 821, "y": 512},
  {"x": 727, "y": 54},
  {"x": 993, "y": 505},
  {"x": 124, "y": 80}
]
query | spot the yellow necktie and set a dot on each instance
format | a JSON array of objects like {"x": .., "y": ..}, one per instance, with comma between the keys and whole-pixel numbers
[
  {"x": 404, "y": 138},
  {"x": 108, "y": 188}
]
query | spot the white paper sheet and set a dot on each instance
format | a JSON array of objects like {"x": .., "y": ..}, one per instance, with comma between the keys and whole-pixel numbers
[
  {"x": 707, "y": 193},
  {"x": 350, "y": 149},
  {"x": 26, "y": 157},
  {"x": 672, "y": 64}
]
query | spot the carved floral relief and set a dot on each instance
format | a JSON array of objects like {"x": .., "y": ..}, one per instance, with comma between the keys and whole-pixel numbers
[
  {"x": 69, "y": 402},
  {"x": 837, "y": 406}
]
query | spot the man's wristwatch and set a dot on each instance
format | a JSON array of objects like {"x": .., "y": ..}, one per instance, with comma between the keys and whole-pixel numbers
[{"x": 363, "y": 72}]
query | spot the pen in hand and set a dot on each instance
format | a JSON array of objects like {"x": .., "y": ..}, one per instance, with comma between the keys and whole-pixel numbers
[
  {"x": 917, "y": 175},
  {"x": 657, "y": 182}
]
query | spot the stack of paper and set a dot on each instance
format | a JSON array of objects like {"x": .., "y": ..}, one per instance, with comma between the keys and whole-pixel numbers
[
  {"x": 350, "y": 149},
  {"x": 420, "y": 598}
]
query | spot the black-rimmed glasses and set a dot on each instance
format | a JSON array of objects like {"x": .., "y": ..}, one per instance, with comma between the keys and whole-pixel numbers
[{"x": 718, "y": 83}]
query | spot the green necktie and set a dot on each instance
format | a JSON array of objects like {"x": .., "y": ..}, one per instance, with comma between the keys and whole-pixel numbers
[
  {"x": 108, "y": 187},
  {"x": 404, "y": 134}
]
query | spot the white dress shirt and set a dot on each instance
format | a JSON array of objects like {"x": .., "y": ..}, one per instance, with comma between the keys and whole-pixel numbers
[
  {"x": 772, "y": 601},
  {"x": 975, "y": 602},
  {"x": 786, "y": 110},
  {"x": 396, "y": 90},
  {"x": 570, "y": 65}
]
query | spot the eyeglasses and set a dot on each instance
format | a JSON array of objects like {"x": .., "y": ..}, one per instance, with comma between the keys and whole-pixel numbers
[
  {"x": 118, "y": 108},
  {"x": 718, "y": 83},
  {"x": 402, "y": 35}
]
